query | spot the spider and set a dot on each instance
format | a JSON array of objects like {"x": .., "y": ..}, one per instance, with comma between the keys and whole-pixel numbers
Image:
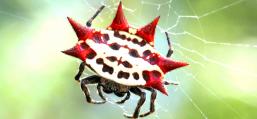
[{"x": 123, "y": 59}]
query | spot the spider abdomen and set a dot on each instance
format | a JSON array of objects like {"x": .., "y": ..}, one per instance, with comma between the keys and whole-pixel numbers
[{"x": 119, "y": 64}]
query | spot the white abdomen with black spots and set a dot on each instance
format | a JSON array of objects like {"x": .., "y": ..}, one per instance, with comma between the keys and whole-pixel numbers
[{"x": 138, "y": 64}]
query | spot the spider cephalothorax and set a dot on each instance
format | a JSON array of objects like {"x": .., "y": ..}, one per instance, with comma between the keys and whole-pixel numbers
[{"x": 123, "y": 58}]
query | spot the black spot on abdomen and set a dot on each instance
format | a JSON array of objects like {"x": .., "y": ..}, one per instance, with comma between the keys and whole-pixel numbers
[
  {"x": 127, "y": 64},
  {"x": 153, "y": 59},
  {"x": 97, "y": 38},
  {"x": 122, "y": 74},
  {"x": 123, "y": 37},
  {"x": 91, "y": 55},
  {"x": 135, "y": 41},
  {"x": 135, "y": 75},
  {"x": 156, "y": 74},
  {"x": 115, "y": 46},
  {"x": 142, "y": 43},
  {"x": 146, "y": 53},
  {"x": 146, "y": 75},
  {"x": 112, "y": 58},
  {"x": 116, "y": 33},
  {"x": 106, "y": 37},
  {"x": 126, "y": 75},
  {"x": 99, "y": 61},
  {"x": 133, "y": 53},
  {"x": 107, "y": 68}
]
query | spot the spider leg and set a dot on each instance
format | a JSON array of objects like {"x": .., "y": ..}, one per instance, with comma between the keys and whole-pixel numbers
[
  {"x": 81, "y": 69},
  {"x": 90, "y": 80},
  {"x": 123, "y": 100},
  {"x": 153, "y": 97},
  {"x": 89, "y": 22},
  {"x": 170, "y": 82},
  {"x": 100, "y": 91},
  {"x": 170, "y": 51},
  {"x": 141, "y": 101}
]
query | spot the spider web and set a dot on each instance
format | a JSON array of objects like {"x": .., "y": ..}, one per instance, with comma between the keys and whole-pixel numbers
[{"x": 173, "y": 22}]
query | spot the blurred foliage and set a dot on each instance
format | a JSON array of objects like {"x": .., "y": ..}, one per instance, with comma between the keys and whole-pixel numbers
[{"x": 220, "y": 45}]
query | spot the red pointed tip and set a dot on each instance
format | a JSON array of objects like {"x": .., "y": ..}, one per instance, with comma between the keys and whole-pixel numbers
[
  {"x": 157, "y": 84},
  {"x": 74, "y": 24},
  {"x": 166, "y": 94},
  {"x": 119, "y": 22},
  {"x": 163, "y": 90},
  {"x": 167, "y": 64},
  {"x": 76, "y": 51},
  {"x": 155, "y": 21},
  {"x": 155, "y": 81},
  {"x": 120, "y": 4},
  {"x": 82, "y": 32},
  {"x": 182, "y": 64},
  {"x": 147, "y": 32},
  {"x": 72, "y": 52}
]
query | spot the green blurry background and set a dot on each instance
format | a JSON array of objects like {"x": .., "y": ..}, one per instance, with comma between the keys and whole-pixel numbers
[{"x": 217, "y": 37}]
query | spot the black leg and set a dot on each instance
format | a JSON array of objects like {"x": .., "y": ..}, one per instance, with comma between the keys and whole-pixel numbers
[
  {"x": 90, "y": 80},
  {"x": 89, "y": 22},
  {"x": 81, "y": 69},
  {"x": 170, "y": 82},
  {"x": 100, "y": 91},
  {"x": 170, "y": 51},
  {"x": 123, "y": 100},
  {"x": 141, "y": 101},
  {"x": 153, "y": 97}
]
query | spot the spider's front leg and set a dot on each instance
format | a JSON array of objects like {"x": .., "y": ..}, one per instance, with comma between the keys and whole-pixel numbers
[
  {"x": 81, "y": 69},
  {"x": 91, "y": 80},
  {"x": 89, "y": 22},
  {"x": 88, "y": 80},
  {"x": 170, "y": 51},
  {"x": 141, "y": 101}
]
